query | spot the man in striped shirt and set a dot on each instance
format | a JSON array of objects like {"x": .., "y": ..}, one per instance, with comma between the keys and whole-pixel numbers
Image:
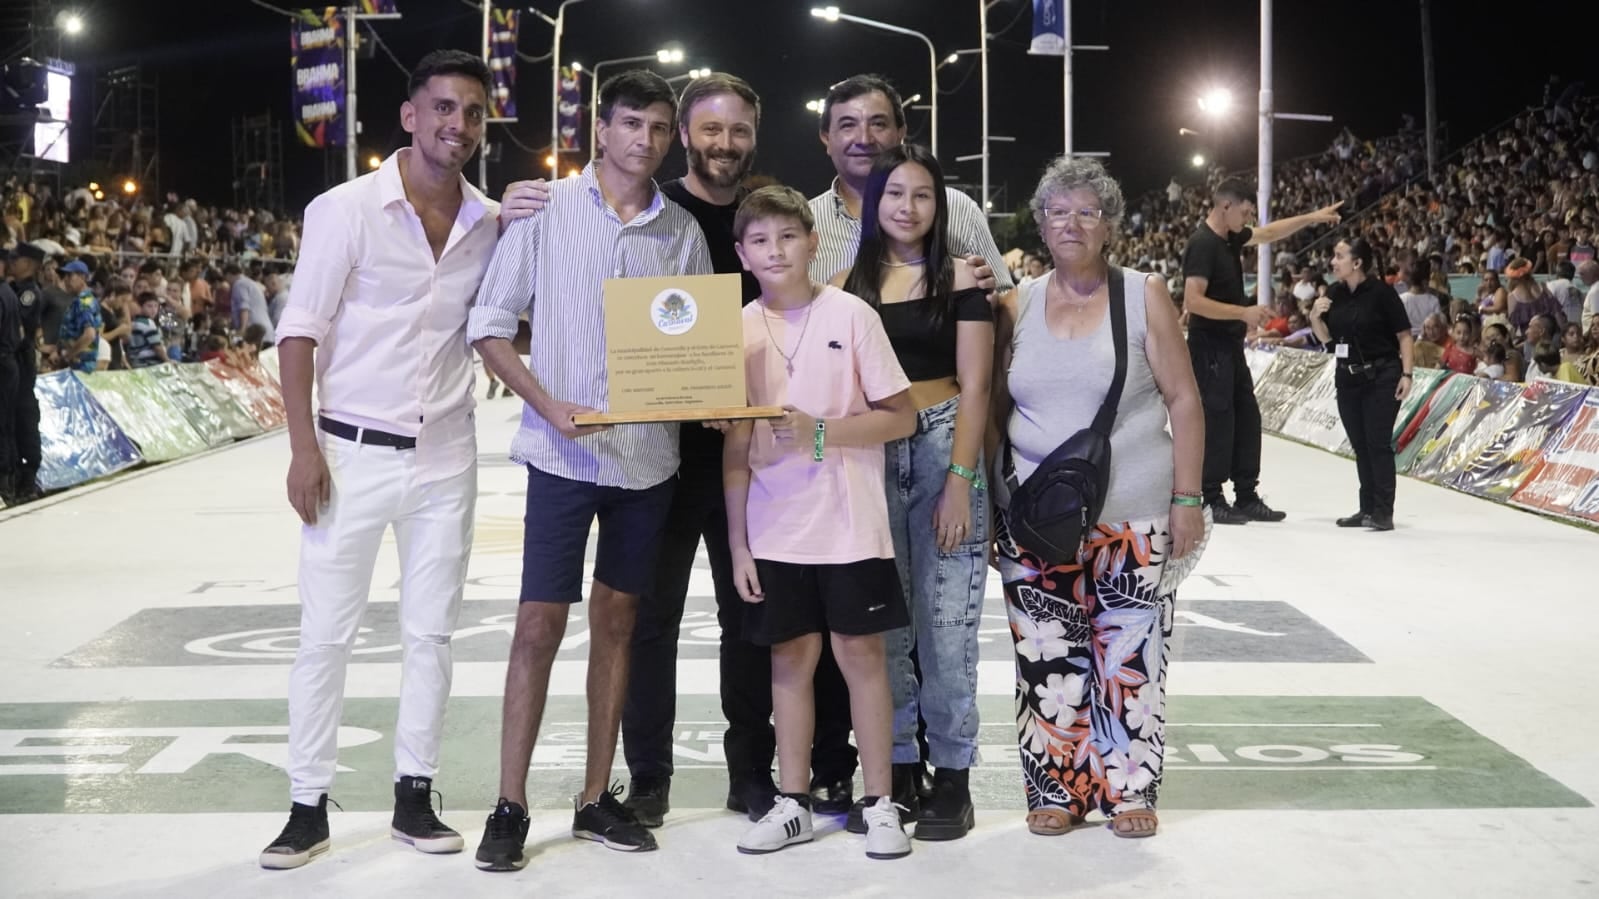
[
  {"x": 861, "y": 117},
  {"x": 610, "y": 222}
]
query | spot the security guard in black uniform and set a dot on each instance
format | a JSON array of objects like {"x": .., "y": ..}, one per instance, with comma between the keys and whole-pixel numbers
[{"x": 21, "y": 406}]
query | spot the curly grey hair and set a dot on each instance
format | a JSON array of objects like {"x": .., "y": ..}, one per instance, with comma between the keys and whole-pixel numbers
[{"x": 1068, "y": 173}]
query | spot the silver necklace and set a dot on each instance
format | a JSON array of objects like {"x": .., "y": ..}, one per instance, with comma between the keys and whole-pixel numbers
[
  {"x": 906, "y": 264},
  {"x": 788, "y": 359},
  {"x": 1087, "y": 297}
]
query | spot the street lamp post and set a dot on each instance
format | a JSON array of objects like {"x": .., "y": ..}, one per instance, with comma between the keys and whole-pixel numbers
[
  {"x": 832, "y": 14},
  {"x": 665, "y": 56}
]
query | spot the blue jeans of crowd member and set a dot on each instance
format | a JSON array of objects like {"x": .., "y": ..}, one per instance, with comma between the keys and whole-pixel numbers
[{"x": 944, "y": 592}]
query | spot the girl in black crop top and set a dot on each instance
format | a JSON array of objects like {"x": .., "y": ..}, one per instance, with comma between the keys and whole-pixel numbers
[{"x": 942, "y": 328}]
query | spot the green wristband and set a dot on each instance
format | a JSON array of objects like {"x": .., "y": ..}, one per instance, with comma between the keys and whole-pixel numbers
[
  {"x": 962, "y": 471},
  {"x": 821, "y": 439},
  {"x": 1180, "y": 500}
]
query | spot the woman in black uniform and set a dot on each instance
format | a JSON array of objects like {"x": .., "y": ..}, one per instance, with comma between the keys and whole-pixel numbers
[{"x": 1363, "y": 321}]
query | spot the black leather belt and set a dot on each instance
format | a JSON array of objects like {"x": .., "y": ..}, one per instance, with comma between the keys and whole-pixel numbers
[{"x": 367, "y": 436}]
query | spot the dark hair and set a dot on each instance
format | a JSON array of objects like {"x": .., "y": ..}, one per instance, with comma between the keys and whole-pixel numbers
[
  {"x": 773, "y": 201},
  {"x": 1360, "y": 248},
  {"x": 1546, "y": 353},
  {"x": 635, "y": 89},
  {"x": 1233, "y": 190},
  {"x": 1564, "y": 269},
  {"x": 151, "y": 267},
  {"x": 859, "y": 86},
  {"x": 712, "y": 85},
  {"x": 232, "y": 268},
  {"x": 1494, "y": 353},
  {"x": 148, "y": 297},
  {"x": 449, "y": 62},
  {"x": 1418, "y": 274},
  {"x": 1496, "y": 327},
  {"x": 255, "y": 334},
  {"x": 214, "y": 342},
  {"x": 1550, "y": 325},
  {"x": 866, "y": 276}
]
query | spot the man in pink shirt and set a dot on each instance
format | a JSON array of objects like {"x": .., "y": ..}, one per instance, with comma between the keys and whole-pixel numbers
[
  {"x": 391, "y": 264},
  {"x": 807, "y": 517}
]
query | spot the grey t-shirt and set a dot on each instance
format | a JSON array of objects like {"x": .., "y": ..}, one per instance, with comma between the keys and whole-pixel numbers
[{"x": 248, "y": 295}]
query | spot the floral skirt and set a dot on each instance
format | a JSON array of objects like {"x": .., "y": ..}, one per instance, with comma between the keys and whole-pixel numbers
[{"x": 1091, "y": 640}]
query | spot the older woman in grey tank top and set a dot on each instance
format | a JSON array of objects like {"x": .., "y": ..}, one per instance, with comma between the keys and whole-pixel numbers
[{"x": 1091, "y": 634}]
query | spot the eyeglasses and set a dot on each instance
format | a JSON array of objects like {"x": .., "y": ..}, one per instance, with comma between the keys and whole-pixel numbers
[{"x": 1087, "y": 218}]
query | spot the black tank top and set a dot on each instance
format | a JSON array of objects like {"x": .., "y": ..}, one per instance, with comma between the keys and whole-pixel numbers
[{"x": 924, "y": 352}]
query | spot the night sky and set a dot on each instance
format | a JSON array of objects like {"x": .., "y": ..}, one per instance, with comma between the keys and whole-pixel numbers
[{"x": 1357, "y": 60}]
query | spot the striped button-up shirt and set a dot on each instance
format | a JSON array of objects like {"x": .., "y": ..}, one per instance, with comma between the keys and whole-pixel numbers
[
  {"x": 553, "y": 265},
  {"x": 839, "y": 235}
]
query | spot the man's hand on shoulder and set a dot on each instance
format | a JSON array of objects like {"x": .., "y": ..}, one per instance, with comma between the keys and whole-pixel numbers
[{"x": 523, "y": 199}]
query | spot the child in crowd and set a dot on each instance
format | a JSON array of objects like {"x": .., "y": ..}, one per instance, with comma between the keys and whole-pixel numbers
[
  {"x": 1461, "y": 354},
  {"x": 806, "y": 512},
  {"x": 145, "y": 347},
  {"x": 1492, "y": 365}
]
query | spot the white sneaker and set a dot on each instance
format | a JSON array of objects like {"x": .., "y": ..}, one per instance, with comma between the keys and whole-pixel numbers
[
  {"x": 885, "y": 835},
  {"x": 786, "y": 824}
]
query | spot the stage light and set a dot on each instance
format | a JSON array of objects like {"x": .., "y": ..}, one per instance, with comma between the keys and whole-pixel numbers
[
  {"x": 71, "y": 23},
  {"x": 374, "y": 161},
  {"x": 130, "y": 187},
  {"x": 830, "y": 13},
  {"x": 549, "y": 161},
  {"x": 1199, "y": 161}
]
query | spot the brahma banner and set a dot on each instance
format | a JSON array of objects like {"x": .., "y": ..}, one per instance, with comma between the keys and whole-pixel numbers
[
  {"x": 317, "y": 57},
  {"x": 1567, "y": 479}
]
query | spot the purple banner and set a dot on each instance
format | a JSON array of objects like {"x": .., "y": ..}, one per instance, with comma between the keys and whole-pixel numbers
[
  {"x": 571, "y": 121},
  {"x": 378, "y": 8},
  {"x": 503, "y": 25},
  {"x": 1049, "y": 28},
  {"x": 317, "y": 58}
]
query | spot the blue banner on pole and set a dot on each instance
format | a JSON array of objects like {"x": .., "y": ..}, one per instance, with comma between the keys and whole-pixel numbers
[
  {"x": 1049, "y": 28},
  {"x": 317, "y": 57}
]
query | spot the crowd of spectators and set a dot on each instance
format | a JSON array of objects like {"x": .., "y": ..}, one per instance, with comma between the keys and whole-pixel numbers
[
  {"x": 1517, "y": 208},
  {"x": 172, "y": 282}
]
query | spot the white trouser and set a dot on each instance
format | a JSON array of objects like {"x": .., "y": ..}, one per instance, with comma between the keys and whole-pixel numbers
[{"x": 374, "y": 487}]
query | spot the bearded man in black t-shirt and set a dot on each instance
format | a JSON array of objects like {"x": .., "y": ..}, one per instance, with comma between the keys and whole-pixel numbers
[{"x": 1220, "y": 315}]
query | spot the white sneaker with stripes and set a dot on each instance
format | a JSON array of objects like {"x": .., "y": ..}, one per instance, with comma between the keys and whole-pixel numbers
[{"x": 786, "y": 824}]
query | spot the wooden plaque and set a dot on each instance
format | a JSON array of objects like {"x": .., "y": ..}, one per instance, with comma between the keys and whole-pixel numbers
[{"x": 674, "y": 351}]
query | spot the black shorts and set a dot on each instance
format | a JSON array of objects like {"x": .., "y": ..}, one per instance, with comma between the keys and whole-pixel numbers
[
  {"x": 555, "y": 532},
  {"x": 854, "y": 598}
]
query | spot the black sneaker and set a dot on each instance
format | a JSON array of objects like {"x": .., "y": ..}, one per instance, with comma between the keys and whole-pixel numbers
[
  {"x": 1222, "y": 513},
  {"x": 305, "y": 837},
  {"x": 648, "y": 799},
  {"x": 832, "y": 798},
  {"x": 414, "y": 821},
  {"x": 607, "y": 821},
  {"x": 907, "y": 796},
  {"x": 753, "y": 795},
  {"x": 503, "y": 838},
  {"x": 1352, "y": 521},
  {"x": 1255, "y": 509},
  {"x": 1379, "y": 521}
]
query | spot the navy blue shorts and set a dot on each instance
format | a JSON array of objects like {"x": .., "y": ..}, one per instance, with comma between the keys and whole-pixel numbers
[{"x": 560, "y": 513}]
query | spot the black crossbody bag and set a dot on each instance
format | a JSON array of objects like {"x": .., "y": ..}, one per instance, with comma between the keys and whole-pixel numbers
[{"x": 1051, "y": 514}]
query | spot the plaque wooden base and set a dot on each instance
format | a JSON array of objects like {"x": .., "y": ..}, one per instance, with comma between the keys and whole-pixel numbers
[{"x": 668, "y": 415}]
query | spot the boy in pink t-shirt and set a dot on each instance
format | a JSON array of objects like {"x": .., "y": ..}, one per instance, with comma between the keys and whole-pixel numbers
[{"x": 807, "y": 515}]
